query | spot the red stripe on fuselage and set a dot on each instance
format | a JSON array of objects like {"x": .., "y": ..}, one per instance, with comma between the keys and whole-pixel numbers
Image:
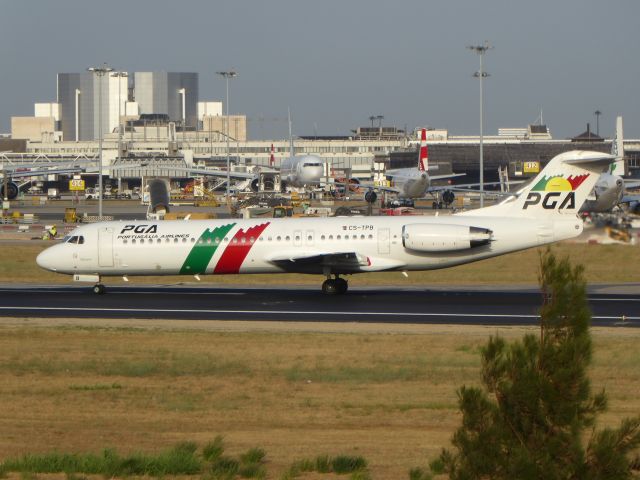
[{"x": 238, "y": 249}]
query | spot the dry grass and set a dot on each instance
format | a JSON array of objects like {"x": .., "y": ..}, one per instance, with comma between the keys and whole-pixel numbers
[
  {"x": 604, "y": 264},
  {"x": 387, "y": 396}
]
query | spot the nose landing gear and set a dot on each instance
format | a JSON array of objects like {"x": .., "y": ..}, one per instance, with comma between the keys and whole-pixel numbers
[{"x": 335, "y": 286}]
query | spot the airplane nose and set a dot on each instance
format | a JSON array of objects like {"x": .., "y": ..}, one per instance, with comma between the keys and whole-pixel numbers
[{"x": 45, "y": 260}]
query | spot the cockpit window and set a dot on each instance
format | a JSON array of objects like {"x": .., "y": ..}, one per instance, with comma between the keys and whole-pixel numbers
[
  {"x": 77, "y": 239},
  {"x": 66, "y": 238},
  {"x": 311, "y": 164}
]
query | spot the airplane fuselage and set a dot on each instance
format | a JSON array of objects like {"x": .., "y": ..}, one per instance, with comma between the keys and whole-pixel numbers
[
  {"x": 229, "y": 246},
  {"x": 607, "y": 193},
  {"x": 410, "y": 182},
  {"x": 301, "y": 171}
]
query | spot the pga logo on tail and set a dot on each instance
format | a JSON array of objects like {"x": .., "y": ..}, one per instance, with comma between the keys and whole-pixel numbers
[{"x": 555, "y": 192}]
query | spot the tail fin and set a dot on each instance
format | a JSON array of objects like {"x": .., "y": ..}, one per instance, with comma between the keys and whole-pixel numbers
[
  {"x": 272, "y": 157},
  {"x": 617, "y": 150},
  {"x": 423, "y": 153},
  {"x": 561, "y": 188}
]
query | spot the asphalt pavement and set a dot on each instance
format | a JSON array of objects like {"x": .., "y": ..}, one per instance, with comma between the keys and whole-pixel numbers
[{"x": 612, "y": 305}]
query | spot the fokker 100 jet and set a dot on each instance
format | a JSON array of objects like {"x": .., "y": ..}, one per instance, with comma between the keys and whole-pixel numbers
[{"x": 543, "y": 212}]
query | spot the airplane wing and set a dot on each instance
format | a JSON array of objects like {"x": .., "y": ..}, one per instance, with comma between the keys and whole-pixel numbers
[
  {"x": 444, "y": 177},
  {"x": 338, "y": 262}
]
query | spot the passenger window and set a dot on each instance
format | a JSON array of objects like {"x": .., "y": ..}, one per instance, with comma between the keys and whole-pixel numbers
[
  {"x": 321, "y": 237},
  {"x": 175, "y": 240},
  {"x": 125, "y": 241},
  {"x": 193, "y": 239},
  {"x": 279, "y": 238},
  {"x": 184, "y": 240},
  {"x": 141, "y": 241},
  {"x": 287, "y": 238},
  {"x": 133, "y": 241},
  {"x": 339, "y": 237}
]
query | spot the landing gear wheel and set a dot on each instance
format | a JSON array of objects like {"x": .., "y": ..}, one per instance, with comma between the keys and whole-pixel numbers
[
  {"x": 329, "y": 287},
  {"x": 98, "y": 289},
  {"x": 341, "y": 285}
]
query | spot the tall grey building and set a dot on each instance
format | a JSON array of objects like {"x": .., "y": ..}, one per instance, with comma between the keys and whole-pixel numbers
[
  {"x": 171, "y": 93},
  {"x": 79, "y": 97}
]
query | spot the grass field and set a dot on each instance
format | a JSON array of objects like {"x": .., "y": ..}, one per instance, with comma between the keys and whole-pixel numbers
[
  {"x": 386, "y": 393},
  {"x": 603, "y": 263}
]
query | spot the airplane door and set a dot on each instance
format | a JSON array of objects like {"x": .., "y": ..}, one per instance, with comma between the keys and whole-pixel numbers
[
  {"x": 105, "y": 247},
  {"x": 297, "y": 238},
  {"x": 383, "y": 241},
  {"x": 308, "y": 237}
]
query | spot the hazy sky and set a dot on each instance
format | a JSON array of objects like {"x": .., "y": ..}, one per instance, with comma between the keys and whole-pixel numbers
[{"x": 337, "y": 62}]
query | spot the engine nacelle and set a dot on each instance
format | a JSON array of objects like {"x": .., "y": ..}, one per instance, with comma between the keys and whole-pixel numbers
[
  {"x": 159, "y": 196},
  {"x": 255, "y": 185},
  {"x": 425, "y": 237},
  {"x": 12, "y": 190}
]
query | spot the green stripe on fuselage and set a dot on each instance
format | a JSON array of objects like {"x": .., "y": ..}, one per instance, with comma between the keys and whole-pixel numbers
[{"x": 201, "y": 253}]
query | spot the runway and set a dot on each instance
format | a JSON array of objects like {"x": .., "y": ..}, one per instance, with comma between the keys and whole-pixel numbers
[{"x": 441, "y": 305}]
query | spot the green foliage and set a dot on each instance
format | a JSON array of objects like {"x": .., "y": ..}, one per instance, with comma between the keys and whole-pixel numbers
[
  {"x": 214, "y": 449},
  {"x": 341, "y": 464},
  {"x": 532, "y": 417},
  {"x": 254, "y": 455},
  {"x": 224, "y": 468},
  {"x": 180, "y": 460},
  {"x": 346, "y": 464}
]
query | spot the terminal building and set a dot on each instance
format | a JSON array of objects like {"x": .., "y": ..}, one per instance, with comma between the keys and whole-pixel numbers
[{"x": 159, "y": 115}]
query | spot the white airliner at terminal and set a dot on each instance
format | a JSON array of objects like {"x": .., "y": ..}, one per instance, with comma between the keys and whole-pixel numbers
[{"x": 543, "y": 212}]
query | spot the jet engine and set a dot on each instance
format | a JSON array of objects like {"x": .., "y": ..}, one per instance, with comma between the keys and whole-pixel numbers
[
  {"x": 425, "y": 237},
  {"x": 12, "y": 190},
  {"x": 255, "y": 185},
  {"x": 159, "y": 196}
]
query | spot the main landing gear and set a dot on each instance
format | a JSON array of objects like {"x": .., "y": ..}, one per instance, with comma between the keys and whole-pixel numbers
[
  {"x": 335, "y": 286},
  {"x": 98, "y": 289}
]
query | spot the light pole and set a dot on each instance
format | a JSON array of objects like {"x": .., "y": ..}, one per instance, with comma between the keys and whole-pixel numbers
[
  {"x": 227, "y": 76},
  {"x": 597, "y": 113},
  {"x": 119, "y": 76},
  {"x": 481, "y": 74},
  {"x": 99, "y": 73}
]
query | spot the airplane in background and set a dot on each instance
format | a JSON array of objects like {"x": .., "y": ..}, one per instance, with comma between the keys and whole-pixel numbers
[
  {"x": 298, "y": 171},
  {"x": 610, "y": 189},
  {"x": 416, "y": 182},
  {"x": 543, "y": 212}
]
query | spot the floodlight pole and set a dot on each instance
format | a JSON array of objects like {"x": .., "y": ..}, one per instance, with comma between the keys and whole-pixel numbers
[
  {"x": 481, "y": 74},
  {"x": 100, "y": 72},
  {"x": 227, "y": 76},
  {"x": 119, "y": 76}
]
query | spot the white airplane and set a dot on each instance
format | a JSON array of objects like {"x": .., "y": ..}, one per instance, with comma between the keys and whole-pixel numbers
[
  {"x": 609, "y": 190},
  {"x": 416, "y": 182},
  {"x": 544, "y": 212},
  {"x": 295, "y": 171}
]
